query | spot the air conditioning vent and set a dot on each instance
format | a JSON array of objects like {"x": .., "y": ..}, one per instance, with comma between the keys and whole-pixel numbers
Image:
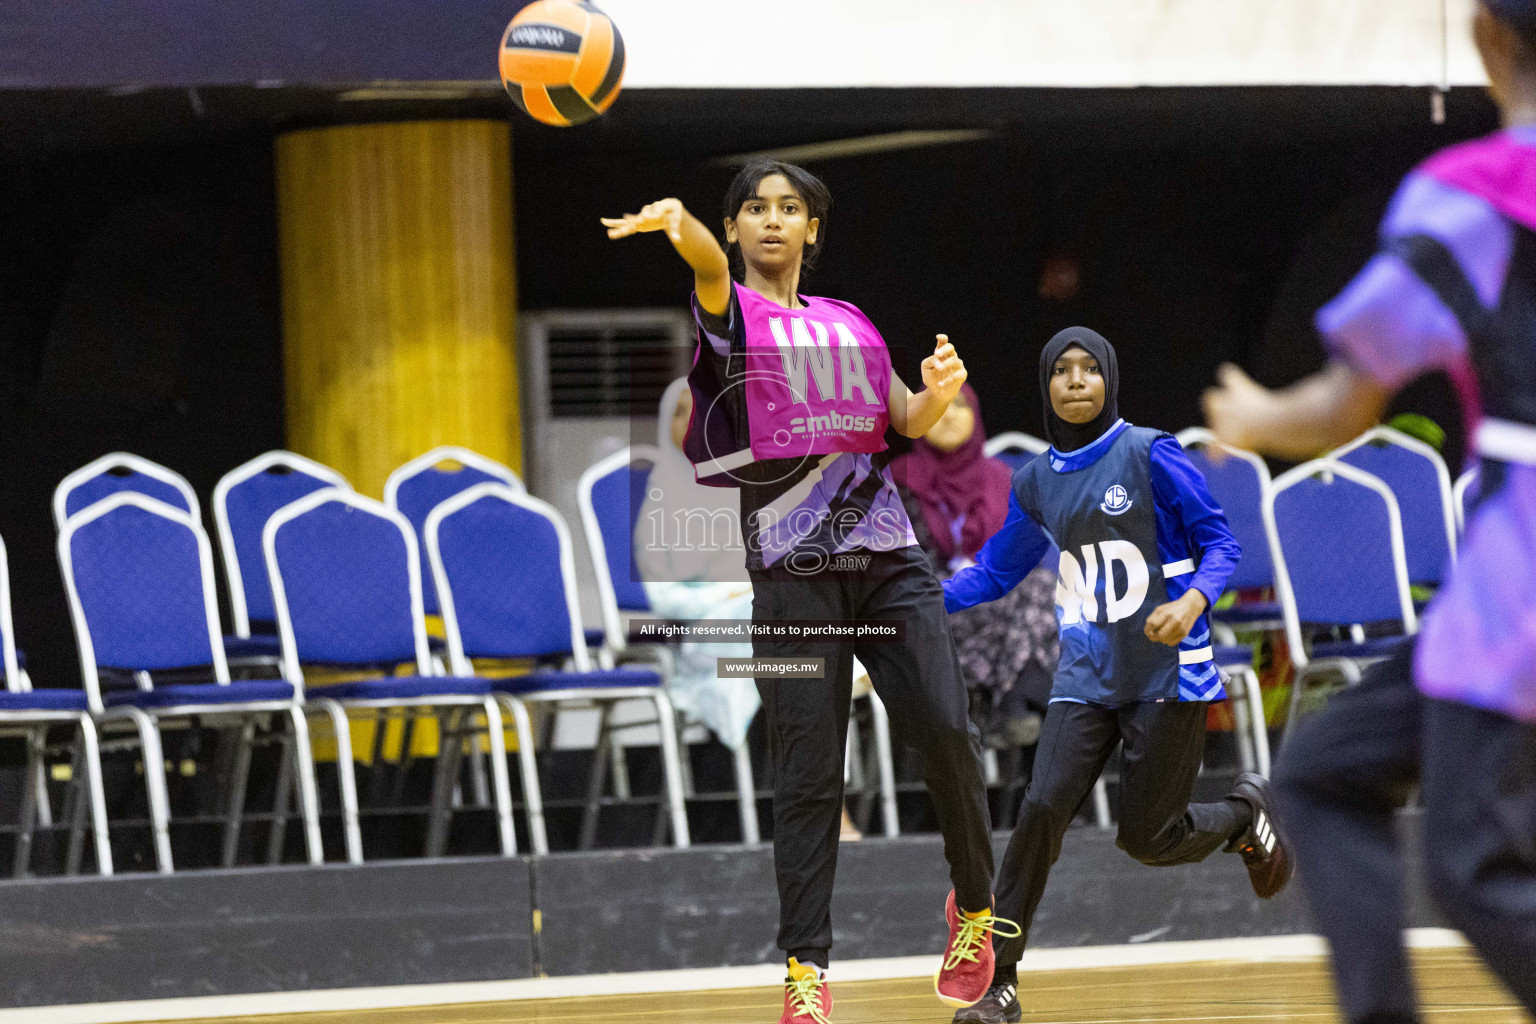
[{"x": 613, "y": 370}]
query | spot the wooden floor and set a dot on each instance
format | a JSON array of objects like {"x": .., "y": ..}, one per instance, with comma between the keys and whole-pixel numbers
[{"x": 1454, "y": 987}]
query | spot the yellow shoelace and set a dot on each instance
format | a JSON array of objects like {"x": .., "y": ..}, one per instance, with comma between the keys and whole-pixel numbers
[
  {"x": 805, "y": 998},
  {"x": 974, "y": 933}
]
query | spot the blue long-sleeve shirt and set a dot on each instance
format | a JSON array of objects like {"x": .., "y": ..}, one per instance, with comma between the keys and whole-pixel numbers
[
  {"x": 1188, "y": 520},
  {"x": 1193, "y": 541}
]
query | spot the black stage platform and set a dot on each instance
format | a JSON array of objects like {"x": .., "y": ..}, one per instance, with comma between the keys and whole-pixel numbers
[{"x": 72, "y": 940}]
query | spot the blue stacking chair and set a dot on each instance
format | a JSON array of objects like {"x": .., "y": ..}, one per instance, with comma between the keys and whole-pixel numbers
[
  {"x": 1239, "y": 481},
  {"x": 1014, "y": 448},
  {"x": 139, "y": 577},
  {"x": 1337, "y": 542},
  {"x": 609, "y": 495},
  {"x": 28, "y": 714},
  {"x": 346, "y": 589},
  {"x": 243, "y": 500},
  {"x": 422, "y": 484},
  {"x": 120, "y": 471},
  {"x": 1464, "y": 494},
  {"x": 505, "y": 569},
  {"x": 1422, "y": 486}
]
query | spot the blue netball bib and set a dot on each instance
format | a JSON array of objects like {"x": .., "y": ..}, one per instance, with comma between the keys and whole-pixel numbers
[{"x": 1097, "y": 506}]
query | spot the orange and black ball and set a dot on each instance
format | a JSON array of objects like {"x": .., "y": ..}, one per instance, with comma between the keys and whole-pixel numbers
[{"x": 562, "y": 61}]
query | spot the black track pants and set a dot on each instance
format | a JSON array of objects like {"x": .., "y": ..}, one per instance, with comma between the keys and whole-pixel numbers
[
  {"x": 1339, "y": 779},
  {"x": 920, "y": 684},
  {"x": 1164, "y": 742}
]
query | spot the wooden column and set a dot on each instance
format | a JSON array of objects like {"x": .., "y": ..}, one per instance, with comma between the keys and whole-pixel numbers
[{"x": 398, "y": 293}]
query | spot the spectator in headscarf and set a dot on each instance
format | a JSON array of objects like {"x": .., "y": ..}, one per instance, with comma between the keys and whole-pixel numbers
[{"x": 957, "y": 497}]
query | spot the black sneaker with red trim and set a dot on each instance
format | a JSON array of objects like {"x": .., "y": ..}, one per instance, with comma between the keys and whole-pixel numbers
[
  {"x": 999, "y": 1006},
  {"x": 1262, "y": 845}
]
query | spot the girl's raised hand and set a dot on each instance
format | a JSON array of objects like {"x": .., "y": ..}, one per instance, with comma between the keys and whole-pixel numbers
[
  {"x": 943, "y": 372},
  {"x": 662, "y": 215}
]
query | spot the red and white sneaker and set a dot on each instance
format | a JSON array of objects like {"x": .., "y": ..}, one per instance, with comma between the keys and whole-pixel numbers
[
  {"x": 807, "y": 996},
  {"x": 966, "y": 974}
]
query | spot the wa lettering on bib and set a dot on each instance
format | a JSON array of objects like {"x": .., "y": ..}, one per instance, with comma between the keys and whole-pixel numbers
[{"x": 817, "y": 379}]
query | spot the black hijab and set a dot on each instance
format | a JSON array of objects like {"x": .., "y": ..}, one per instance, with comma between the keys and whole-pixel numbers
[{"x": 1068, "y": 437}]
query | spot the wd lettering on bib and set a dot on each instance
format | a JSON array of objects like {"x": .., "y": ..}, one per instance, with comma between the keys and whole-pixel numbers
[
  {"x": 1102, "y": 518},
  {"x": 1077, "y": 585}
]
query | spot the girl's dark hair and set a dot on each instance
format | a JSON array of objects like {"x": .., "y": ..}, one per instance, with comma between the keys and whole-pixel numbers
[{"x": 818, "y": 200}]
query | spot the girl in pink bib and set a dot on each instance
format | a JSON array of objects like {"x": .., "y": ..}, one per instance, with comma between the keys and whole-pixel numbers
[{"x": 792, "y": 398}]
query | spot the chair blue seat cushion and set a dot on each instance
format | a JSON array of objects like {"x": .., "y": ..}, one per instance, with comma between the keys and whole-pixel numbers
[
  {"x": 1378, "y": 647},
  {"x": 535, "y": 682},
  {"x": 1233, "y": 654},
  {"x": 44, "y": 700},
  {"x": 404, "y": 688},
  {"x": 594, "y": 637},
  {"x": 260, "y": 645},
  {"x": 239, "y": 692},
  {"x": 1255, "y": 611}
]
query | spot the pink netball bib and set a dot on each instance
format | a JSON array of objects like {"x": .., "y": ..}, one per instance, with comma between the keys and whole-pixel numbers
[{"x": 817, "y": 379}]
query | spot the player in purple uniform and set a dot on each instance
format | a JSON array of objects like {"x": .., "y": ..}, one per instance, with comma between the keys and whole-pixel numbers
[
  {"x": 792, "y": 397},
  {"x": 1453, "y": 287}
]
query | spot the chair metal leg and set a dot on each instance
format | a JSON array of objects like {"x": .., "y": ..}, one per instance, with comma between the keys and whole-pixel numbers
[
  {"x": 479, "y": 785},
  {"x": 309, "y": 799},
  {"x": 746, "y": 795},
  {"x": 240, "y": 773},
  {"x": 154, "y": 785},
  {"x": 1298, "y": 682},
  {"x": 381, "y": 721},
  {"x": 881, "y": 723},
  {"x": 36, "y": 737},
  {"x": 91, "y": 756},
  {"x": 408, "y": 740},
  {"x": 618, "y": 765},
  {"x": 673, "y": 769},
  {"x": 989, "y": 772},
  {"x": 853, "y": 758},
  {"x": 1101, "y": 813},
  {"x": 1256, "y": 722},
  {"x": 528, "y": 768},
  {"x": 76, "y": 804},
  {"x": 501, "y": 783},
  {"x": 44, "y": 807},
  {"x": 595, "y": 780},
  {"x": 1242, "y": 731},
  {"x": 346, "y": 776},
  {"x": 277, "y": 836},
  {"x": 450, "y": 752}
]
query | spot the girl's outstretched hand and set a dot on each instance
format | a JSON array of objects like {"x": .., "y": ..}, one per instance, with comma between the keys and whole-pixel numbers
[
  {"x": 662, "y": 215},
  {"x": 944, "y": 372}
]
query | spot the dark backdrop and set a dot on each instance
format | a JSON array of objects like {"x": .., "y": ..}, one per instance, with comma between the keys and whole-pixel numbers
[{"x": 138, "y": 283}]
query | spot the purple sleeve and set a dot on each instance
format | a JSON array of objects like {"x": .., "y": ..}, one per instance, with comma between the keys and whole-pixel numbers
[
  {"x": 1190, "y": 524},
  {"x": 718, "y": 328},
  {"x": 1387, "y": 322}
]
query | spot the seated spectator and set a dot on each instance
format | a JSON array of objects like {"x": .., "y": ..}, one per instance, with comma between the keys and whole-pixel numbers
[
  {"x": 688, "y": 552},
  {"x": 957, "y": 497}
]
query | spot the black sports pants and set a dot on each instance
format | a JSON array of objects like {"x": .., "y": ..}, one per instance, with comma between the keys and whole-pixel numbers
[
  {"x": 807, "y": 723},
  {"x": 1164, "y": 741},
  {"x": 1339, "y": 779}
]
